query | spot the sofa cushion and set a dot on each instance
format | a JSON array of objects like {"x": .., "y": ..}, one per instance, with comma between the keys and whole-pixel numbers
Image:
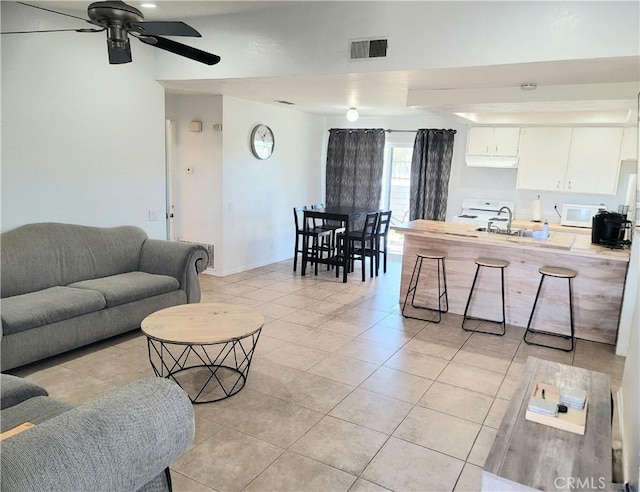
[
  {"x": 14, "y": 390},
  {"x": 38, "y": 256},
  {"x": 129, "y": 287},
  {"x": 36, "y": 410},
  {"x": 47, "y": 306}
]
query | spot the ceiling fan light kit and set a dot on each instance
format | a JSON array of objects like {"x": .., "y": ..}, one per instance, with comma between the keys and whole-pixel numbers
[{"x": 120, "y": 20}]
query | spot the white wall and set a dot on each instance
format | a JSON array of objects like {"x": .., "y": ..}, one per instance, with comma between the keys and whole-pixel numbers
[
  {"x": 198, "y": 196},
  {"x": 258, "y": 195},
  {"x": 312, "y": 37},
  {"x": 630, "y": 395},
  {"x": 82, "y": 140}
]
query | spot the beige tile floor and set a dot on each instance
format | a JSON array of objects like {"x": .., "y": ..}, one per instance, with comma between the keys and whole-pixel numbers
[{"x": 343, "y": 393}]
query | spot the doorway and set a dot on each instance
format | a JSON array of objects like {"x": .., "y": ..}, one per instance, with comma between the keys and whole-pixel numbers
[
  {"x": 395, "y": 188},
  {"x": 170, "y": 178}
]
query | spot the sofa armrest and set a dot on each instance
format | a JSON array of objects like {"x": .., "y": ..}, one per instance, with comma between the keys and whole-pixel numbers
[
  {"x": 183, "y": 261},
  {"x": 120, "y": 441}
]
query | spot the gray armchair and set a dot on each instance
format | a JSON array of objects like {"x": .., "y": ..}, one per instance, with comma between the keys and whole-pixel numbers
[{"x": 123, "y": 441}]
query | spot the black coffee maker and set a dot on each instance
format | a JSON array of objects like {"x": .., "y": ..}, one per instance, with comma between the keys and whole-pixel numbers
[{"x": 609, "y": 229}]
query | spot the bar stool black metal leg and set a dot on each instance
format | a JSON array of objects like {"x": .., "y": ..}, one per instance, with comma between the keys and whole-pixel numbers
[
  {"x": 446, "y": 296},
  {"x": 416, "y": 266},
  {"x": 504, "y": 314},
  {"x": 571, "y": 315},
  {"x": 502, "y": 322},
  {"x": 530, "y": 330},
  {"x": 535, "y": 301},
  {"x": 413, "y": 286},
  {"x": 466, "y": 308}
]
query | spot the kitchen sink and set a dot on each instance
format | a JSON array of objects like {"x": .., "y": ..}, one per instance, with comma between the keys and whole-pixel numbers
[
  {"x": 498, "y": 231},
  {"x": 503, "y": 232}
]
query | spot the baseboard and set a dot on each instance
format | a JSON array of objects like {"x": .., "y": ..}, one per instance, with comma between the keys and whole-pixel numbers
[{"x": 619, "y": 455}]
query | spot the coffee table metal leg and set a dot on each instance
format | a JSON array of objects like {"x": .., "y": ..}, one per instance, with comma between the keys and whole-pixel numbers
[{"x": 231, "y": 356}]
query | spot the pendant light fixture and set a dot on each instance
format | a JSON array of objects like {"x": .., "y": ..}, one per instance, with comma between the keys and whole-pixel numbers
[{"x": 352, "y": 114}]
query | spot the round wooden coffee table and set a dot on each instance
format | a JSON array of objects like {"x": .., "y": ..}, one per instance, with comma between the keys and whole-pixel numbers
[{"x": 205, "y": 348}]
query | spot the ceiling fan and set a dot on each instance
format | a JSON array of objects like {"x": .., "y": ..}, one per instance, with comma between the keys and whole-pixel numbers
[{"x": 120, "y": 20}]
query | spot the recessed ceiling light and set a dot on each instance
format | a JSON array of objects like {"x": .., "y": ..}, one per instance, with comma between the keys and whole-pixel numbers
[{"x": 148, "y": 5}]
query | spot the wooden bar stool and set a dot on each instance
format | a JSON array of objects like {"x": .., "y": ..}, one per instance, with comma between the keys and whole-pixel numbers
[
  {"x": 488, "y": 263},
  {"x": 557, "y": 272},
  {"x": 421, "y": 255}
]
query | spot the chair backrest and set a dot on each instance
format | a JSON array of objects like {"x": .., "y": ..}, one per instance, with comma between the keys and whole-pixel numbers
[
  {"x": 298, "y": 215},
  {"x": 383, "y": 223},
  {"x": 370, "y": 224},
  {"x": 318, "y": 222}
]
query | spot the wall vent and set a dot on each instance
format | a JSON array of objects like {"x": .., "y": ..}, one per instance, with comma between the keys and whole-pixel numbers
[
  {"x": 368, "y": 48},
  {"x": 210, "y": 249}
]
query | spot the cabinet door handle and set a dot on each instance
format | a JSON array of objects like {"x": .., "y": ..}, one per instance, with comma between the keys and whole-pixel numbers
[
  {"x": 569, "y": 184},
  {"x": 558, "y": 185}
]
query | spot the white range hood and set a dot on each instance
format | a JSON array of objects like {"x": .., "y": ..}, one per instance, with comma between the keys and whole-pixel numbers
[{"x": 491, "y": 161}]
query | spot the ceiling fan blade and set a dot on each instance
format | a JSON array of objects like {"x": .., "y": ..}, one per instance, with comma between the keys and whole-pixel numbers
[
  {"x": 181, "y": 49},
  {"x": 54, "y": 11},
  {"x": 118, "y": 55},
  {"x": 53, "y": 30},
  {"x": 168, "y": 28}
]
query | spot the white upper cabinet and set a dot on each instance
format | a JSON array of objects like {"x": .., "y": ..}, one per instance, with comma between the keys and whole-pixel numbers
[
  {"x": 629, "y": 150},
  {"x": 594, "y": 161},
  {"x": 544, "y": 153},
  {"x": 576, "y": 160},
  {"x": 493, "y": 141}
]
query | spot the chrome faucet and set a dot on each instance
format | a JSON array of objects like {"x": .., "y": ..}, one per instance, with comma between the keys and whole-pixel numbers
[
  {"x": 491, "y": 226},
  {"x": 510, "y": 218}
]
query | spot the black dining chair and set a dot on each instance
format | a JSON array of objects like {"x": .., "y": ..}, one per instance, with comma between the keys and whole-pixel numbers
[
  {"x": 382, "y": 231},
  {"x": 328, "y": 225},
  {"x": 361, "y": 244},
  {"x": 320, "y": 238}
]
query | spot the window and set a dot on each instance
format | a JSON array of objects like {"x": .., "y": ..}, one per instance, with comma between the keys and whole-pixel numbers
[{"x": 395, "y": 188}]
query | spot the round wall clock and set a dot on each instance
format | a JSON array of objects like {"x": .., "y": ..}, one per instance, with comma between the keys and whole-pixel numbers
[{"x": 262, "y": 142}]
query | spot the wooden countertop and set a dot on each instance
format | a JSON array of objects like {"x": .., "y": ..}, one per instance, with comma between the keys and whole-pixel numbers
[
  {"x": 567, "y": 242},
  {"x": 530, "y": 224}
]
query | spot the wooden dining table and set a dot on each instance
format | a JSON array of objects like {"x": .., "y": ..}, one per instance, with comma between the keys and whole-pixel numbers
[{"x": 343, "y": 214}]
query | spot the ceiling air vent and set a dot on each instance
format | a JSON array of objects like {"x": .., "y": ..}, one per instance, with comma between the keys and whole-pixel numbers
[{"x": 368, "y": 48}]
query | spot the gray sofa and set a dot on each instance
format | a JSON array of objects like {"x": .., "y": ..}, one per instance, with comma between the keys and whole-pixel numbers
[
  {"x": 123, "y": 441},
  {"x": 64, "y": 286}
]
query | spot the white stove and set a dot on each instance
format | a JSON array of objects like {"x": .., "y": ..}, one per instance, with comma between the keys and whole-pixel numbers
[{"x": 479, "y": 212}]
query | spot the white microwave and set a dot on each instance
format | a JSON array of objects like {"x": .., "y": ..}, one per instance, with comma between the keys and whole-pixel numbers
[{"x": 579, "y": 215}]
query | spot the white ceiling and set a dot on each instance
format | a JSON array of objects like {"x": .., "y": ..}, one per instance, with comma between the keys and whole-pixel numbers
[
  {"x": 585, "y": 92},
  {"x": 167, "y": 9},
  {"x": 578, "y": 91}
]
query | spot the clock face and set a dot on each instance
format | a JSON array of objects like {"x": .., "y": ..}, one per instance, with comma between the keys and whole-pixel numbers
[{"x": 262, "y": 142}]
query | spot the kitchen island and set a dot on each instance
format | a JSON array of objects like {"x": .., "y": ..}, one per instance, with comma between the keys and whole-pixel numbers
[{"x": 597, "y": 289}]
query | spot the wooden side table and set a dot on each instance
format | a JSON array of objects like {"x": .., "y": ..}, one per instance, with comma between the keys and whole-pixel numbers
[
  {"x": 206, "y": 346},
  {"x": 531, "y": 456}
]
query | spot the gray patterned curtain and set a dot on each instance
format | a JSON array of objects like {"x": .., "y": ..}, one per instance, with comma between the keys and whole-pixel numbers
[
  {"x": 355, "y": 159},
  {"x": 430, "y": 171}
]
